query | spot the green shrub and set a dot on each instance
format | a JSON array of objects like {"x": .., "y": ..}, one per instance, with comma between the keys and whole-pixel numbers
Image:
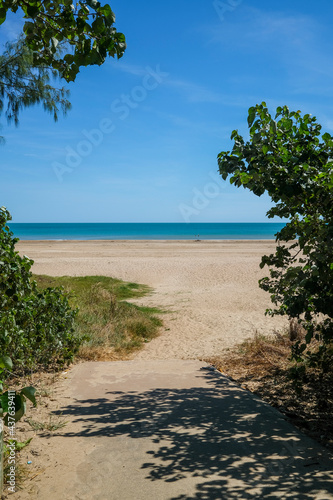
[
  {"x": 36, "y": 326},
  {"x": 289, "y": 158}
]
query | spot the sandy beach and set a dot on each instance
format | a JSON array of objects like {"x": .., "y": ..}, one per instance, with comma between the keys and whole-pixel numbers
[
  {"x": 164, "y": 424},
  {"x": 209, "y": 288}
]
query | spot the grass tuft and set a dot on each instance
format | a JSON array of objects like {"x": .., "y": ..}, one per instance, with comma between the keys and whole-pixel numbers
[{"x": 53, "y": 424}]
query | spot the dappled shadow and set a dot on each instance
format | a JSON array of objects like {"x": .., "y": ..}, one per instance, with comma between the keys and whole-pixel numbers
[{"x": 229, "y": 441}]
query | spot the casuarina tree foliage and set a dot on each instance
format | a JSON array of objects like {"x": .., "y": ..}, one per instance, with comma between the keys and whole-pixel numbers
[{"x": 22, "y": 85}]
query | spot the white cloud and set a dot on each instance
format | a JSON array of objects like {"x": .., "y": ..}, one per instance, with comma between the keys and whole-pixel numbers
[
  {"x": 194, "y": 92},
  {"x": 254, "y": 28},
  {"x": 191, "y": 91},
  {"x": 131, "y": 69}
]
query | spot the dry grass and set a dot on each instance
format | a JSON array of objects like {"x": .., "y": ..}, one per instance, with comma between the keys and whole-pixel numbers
[
  {"x": 24, "y": 433},
  {"x": 262, "y": 365}
]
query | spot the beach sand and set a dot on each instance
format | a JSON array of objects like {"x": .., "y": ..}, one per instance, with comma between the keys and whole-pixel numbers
[
  {"x": 133, "y": 428},
  {"x": 209, "y": 288}
]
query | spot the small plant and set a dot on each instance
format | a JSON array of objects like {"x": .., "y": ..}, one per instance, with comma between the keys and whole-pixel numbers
[
  {"x": 12, "y": 409},
  {"x": 52, "y": 425},
  {"x": 19, "y": 445},
  {"x": 13, "y": 403}
]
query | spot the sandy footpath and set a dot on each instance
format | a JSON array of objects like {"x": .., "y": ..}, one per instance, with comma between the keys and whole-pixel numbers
[{"x": 210, "y": 288}]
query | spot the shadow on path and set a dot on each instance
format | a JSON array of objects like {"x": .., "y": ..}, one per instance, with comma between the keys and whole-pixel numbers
[{"x": 231, "y": 444}]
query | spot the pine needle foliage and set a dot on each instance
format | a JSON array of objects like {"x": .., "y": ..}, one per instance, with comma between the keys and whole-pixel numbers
[{"x": 22, "y": 85}]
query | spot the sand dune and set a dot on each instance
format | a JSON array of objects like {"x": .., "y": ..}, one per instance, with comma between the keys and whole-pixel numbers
[{"x": 210, "y": 288}]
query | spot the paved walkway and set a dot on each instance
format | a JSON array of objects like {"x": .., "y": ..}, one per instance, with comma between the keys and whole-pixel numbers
[{"x": 176, "y": 430}]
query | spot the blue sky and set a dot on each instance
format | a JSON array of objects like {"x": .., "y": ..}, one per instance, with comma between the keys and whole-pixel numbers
[{"x": 141, "y": 141}]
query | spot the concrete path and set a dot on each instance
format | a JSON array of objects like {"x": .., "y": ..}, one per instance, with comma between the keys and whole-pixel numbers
[{"x": 175, "y": 430}]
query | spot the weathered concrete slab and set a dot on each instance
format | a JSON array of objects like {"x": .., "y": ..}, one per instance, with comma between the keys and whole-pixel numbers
[{"x": 175, "y": 430}]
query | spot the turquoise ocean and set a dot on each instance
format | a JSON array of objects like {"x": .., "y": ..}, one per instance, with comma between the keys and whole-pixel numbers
[{"x": 147, "y": 231}]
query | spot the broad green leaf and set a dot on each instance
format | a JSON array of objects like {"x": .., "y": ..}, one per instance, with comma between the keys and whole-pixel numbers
[
  {"x": 6, "y": 362},
  {"x": 20, "y": 407},
  {"x": 273, "y": 127},
  {"x": 256, "y": 137},
  {"x": 251, "y": 116},
  {"x": 30, "y": 392},
  {"x": 327, "y": 137},
  {"x": 32, "y": 11},
  {"x": 4, "y": 401}
]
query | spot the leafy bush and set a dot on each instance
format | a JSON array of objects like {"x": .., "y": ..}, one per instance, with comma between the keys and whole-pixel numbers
[
  {"x": 36, "y": 326},
  {"x": 288, "y": 158},
  {"x": 13, "y": 403}
]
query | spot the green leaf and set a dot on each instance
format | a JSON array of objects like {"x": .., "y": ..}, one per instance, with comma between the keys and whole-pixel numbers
[
  {"x": 107, "y": 12},
  {"x": 244, "y": 178},
  {"x": 3, "y": 14},
  {"x": 256, "y": 137},
  {"x": 278, "y": 111},
  {"x": 30, "y": 392},
  {"x": 20, "y": 407},
  {"x": 32, "y": 11},
  {"x": 273, "y": 127},
  {"x": 327, "y": 137},
  {"x": 19, "y": 445},
  {"x": 98, "y": 25},
  {"x": 6, "y": 362},
  {"x": 4, "y": 401},
  {"x": 251, "y": 116},
  {"x": 28, "y": 27}
]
